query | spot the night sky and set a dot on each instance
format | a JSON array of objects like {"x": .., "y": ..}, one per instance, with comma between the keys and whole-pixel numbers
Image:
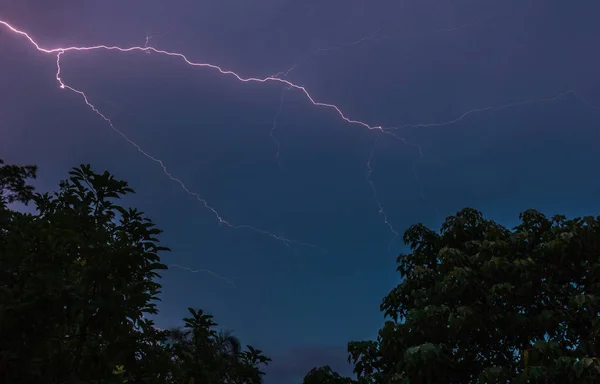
[{"x": 425, "y": 62}]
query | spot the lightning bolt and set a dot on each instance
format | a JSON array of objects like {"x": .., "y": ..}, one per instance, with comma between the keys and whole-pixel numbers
[
  {"x": 274, "y": 126},
  {"x": 462, "y": 26},
  {"x": 479, "y": 110},
  {"x": 205, "y": 271},
  {"x": 150, "y": 36},
  {"x": 181, "y": 56},
  {"x": 220, "y": 219},
  {"x": 59, "y": 52},
  {"x": 374, "y": 191},
  {"x": 441, "y": 124},
  {"x": 373, "y": 36},
  {"x": 62, "y": 50}
]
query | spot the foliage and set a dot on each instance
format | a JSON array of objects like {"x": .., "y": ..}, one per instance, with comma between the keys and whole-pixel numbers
[
  {"x": 325, "y": 375},
  {"x": 13, "y": 183},
  {"x": 204, "y": 355},
  {"x": 78, "y": 279},
  {"x": 479, "y": 303}
]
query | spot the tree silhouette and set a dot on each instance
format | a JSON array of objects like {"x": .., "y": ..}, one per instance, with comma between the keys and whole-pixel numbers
[
  {"x": 479, "y": 303},
  {"x": 325, "y": 375},
  {"x": 78, "y": 278}
]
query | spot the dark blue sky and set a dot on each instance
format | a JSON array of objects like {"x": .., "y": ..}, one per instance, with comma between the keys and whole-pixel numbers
[{"x": 432, "y": 62}]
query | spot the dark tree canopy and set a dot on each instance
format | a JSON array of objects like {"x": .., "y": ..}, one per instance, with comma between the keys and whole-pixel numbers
[
  {"x": 325, "y": 375},
  {"x": 479, "y": 303},
  {"x": 78, "y": 280}
]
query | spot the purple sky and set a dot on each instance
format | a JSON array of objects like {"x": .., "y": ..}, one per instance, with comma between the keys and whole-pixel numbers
[{"x": 430, "y": 62}]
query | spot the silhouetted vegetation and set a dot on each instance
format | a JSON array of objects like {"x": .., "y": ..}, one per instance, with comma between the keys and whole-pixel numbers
[
  {"x": 476, "y": 303},
  {"x": 479, "y": 303},
  {"x": 76, "y": 280}
]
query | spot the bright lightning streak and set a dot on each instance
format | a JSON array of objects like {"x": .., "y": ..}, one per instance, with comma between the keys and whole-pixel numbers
[
  {"x": 275, "y": 79},
  {"x": 205, "y": 271},
  {"x": 374, "y": 190},
  {"x": 441, "y": 124},
  {"x": 479, "y": 110},
  {"x": 195, "y": 64},
  {"x": 220, "y": 219},
  {"x": 60, "y": 51}
]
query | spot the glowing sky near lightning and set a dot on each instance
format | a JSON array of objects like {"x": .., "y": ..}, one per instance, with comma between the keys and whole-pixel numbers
[{"x": 499, "y": 96}]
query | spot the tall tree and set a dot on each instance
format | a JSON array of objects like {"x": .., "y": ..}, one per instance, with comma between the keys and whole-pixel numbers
[
  {"x": 479, "y": 303},
  {"x": 77, "y": 278}
]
